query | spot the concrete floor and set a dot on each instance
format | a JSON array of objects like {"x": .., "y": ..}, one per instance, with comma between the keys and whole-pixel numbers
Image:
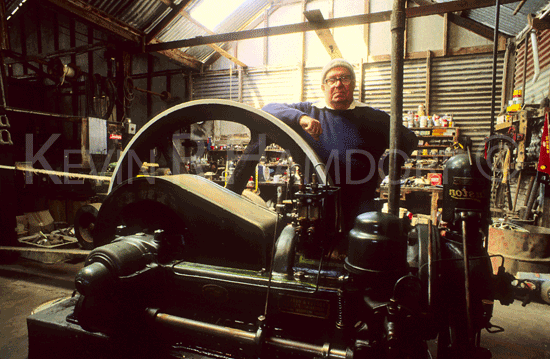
[{"x": 24, "y": 285}]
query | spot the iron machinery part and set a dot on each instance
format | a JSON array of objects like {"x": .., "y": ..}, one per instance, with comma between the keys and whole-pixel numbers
[
  {"x": 327, "y": 350},
  {"x": 377, "y": 249},
  {"x": 116, "y": 263},
  {"x": 238, "y": 233},
  {"x": 317, "y": 220},
  {"x": 84, "y": 224},
  {"x": 258, "y": 122},
  {"x": 466, "y": 188}
]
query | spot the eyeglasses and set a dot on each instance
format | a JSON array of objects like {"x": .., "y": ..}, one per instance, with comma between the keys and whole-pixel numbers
[{"x": 345, "y": 80}]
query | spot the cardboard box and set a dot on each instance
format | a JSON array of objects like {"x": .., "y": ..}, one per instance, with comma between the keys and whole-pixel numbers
[{"x": 41, "y": 221}]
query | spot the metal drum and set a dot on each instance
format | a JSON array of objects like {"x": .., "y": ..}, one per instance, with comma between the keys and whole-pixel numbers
[{"x": 524, "y": 248}]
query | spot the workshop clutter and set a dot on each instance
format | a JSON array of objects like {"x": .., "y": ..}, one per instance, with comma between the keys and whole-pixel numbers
[
  {"x": 38, "y": 230},
  {"x": 524, "y": 247},
  {"x": 421, "y": 119}
]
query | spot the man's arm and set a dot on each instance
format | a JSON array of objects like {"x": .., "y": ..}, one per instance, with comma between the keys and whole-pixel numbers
[
  {"x": 288, "y": 113},
  {"x": 296, "y": 116}
]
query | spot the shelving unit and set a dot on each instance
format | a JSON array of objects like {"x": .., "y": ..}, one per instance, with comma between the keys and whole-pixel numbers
[
  {"x": 433, "y": 138},
  {"x": 273, "y": 159}
]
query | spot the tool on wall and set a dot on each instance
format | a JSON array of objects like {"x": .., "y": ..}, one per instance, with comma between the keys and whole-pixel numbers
[
  {"x": 63, "y": 71},
  {"x": 505, "y": 180},
  {"x": 164, "y": 95}
]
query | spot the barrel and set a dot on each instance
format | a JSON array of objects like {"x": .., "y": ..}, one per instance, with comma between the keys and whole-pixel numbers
[{"x": 524, "y": 248}]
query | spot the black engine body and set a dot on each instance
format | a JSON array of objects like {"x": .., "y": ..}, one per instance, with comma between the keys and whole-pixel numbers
[{"x": 186, "y": 268}]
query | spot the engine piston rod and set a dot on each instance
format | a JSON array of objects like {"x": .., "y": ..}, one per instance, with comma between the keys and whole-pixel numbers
[{"x": 246, "y": 337}]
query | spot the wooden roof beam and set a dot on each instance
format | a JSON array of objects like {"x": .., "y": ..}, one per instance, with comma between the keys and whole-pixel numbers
[
  {"x": 164, "y": 22},
  {"x": 104, "y": 21},
  {"x": 180, "y": 56},
  {"x": 316, "y": 17},
  {"x": 215, "y": 47}
]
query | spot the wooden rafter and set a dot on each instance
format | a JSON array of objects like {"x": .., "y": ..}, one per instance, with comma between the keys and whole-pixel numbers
[
  {"x": 215, "y": 47},
  {"x": 180, "y": 57},
  {"x": 435, "y": 9},
  {"x": 4, "y": 40},
  {"x": 316, "y": 17},
  {"x": 164, "y": 22},
  {"x": 104, "y": 21},
  {"x": 99, "y": 18}
]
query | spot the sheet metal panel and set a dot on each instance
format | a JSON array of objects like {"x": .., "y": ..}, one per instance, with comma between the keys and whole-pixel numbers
[
  {"x": 377, "y": 85},
  {"x": 462, "y": 86},
  {"x": 219, "y": 84},
  {"x": 534, "y": 92},
  {"x": 459, "y": 85},
  {"x": 276, "y": 85},
  {"x": 312, "y": 84},
  {"x": 139, "y": 14},
  {"x": 537, "y": 91}
]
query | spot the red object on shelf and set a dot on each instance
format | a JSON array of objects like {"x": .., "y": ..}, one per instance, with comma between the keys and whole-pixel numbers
[
  {"x": 544, "y": 157},
  {"x": 435, "y": 179}
]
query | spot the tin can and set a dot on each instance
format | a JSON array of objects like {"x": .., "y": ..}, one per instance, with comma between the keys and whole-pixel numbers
[{"x": 424, "y": 121}]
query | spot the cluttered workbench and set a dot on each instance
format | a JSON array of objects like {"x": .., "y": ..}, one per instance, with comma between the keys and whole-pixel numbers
[{"x": 435, "y": 193}]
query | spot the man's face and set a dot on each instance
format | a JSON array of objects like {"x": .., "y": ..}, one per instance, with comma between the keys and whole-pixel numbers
[{"x": 338, "y": 95}]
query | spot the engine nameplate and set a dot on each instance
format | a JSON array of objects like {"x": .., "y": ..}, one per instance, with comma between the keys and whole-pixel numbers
[{"x": 310, "y": 307}]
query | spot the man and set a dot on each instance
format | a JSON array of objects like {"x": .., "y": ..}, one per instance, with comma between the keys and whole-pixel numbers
[{"x": 349, "y": 136}]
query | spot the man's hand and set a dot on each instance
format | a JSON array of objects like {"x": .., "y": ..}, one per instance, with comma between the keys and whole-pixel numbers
[{"x": 311, "y": 126}]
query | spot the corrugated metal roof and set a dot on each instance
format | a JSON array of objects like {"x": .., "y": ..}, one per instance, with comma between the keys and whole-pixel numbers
[
  {"x": 509, "y": 23},
  {"x": 144, "y": 15},
  {"x": 139, "y": 14}
]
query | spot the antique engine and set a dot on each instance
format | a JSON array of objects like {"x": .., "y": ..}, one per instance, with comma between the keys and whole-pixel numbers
[{"x": 186, "y": 268}]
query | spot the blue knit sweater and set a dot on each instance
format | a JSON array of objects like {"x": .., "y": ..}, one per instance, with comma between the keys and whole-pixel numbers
[{"x": 351, "y": 145}]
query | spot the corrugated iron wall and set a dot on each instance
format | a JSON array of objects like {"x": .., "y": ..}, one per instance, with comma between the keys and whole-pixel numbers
[
  {"x": 219, "y": 84},
  {"x": 261, "y": 87},
  {"x": 312, "y": 85},
  {"x": 462, "y": 86},
  {"x": 534, "y": 92},
  {"x": 377, "y": 85}
]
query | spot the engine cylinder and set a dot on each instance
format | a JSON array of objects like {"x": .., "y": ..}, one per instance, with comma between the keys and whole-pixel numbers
[
  {"x": 106, "y": 265},
  {"x": 466, "y": 186},
  {"x": 377, "y": 247}
]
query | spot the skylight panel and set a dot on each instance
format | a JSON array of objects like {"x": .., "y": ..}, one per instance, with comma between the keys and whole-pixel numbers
[{"x": 211, "y": 13}]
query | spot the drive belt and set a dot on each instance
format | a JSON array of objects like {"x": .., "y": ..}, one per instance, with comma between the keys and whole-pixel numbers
[{"x": 57, "y": 173}]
